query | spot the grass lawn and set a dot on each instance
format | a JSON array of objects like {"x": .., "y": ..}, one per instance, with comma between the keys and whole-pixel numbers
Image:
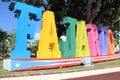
[{"x": 106, "y": 64}]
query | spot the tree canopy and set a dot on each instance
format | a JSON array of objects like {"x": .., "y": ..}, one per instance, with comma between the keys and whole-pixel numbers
[
  {"x": 100, "y": 12},
  {"x": 3, "y": 42}
]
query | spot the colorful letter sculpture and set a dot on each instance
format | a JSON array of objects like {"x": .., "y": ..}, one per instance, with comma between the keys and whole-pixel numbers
[
  {"x": 82, "y": 48},
  {"x": 103, "y": 40},
  {"x": 75, "y": 49},
  {"x": 48, "y": 44},
  {"x": 23, "y": 29},
  {"x": 111, "y": 44},
  {"x": 68, "y": 48},
  {"x": 92, "y": 31}
]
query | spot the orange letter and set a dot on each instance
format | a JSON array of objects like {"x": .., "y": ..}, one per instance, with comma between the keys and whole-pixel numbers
[{"x": 111, "y": 44}]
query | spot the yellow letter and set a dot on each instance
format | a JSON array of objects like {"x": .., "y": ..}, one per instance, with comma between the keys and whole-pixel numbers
[
  {"x": 82, "y": 48},
  {"x": 48, "y": 44}
]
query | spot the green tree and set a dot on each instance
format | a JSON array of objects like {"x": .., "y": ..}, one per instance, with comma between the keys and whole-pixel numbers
[
  {"x": 100, "y": 12},
  {"x": 33, "y": 47},
  {"x": 12, "y": 39},
  {"x": 3, "y": 42}
]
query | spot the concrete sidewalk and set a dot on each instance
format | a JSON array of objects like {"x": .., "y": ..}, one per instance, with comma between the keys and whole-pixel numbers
[{"x": 65, "y": 75}]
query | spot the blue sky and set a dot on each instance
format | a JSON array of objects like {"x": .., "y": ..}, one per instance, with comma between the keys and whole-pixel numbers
[{"x": 8, "y": 22}]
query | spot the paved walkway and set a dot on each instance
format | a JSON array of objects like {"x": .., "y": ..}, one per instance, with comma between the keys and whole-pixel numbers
[
  {"x": 107, "y": 76},
  {"x": 66, "y": 75}
]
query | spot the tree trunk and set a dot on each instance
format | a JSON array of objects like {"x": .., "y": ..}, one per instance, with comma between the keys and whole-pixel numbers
[{"x": 89, "y": 9}]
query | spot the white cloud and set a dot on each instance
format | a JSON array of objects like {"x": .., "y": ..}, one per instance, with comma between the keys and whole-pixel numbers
[{"x": 37, "y": 36}]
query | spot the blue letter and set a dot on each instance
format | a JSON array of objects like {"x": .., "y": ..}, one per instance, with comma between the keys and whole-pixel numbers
[{"x": 24, "y": 31}]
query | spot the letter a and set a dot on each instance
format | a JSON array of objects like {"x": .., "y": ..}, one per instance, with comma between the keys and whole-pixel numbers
[
  {"x": 82, "y": 48},
  {"x": 23, "y": 29},
  {"x": 48, "y": 44}
]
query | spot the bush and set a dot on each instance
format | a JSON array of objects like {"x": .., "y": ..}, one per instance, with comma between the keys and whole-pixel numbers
[{"x": 2, "y": 56}]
